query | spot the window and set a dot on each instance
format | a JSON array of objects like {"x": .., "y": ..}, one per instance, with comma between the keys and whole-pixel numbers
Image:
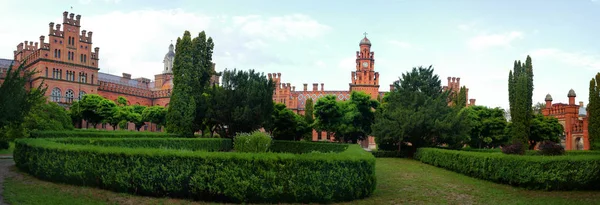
[
  {"x": 46, "y": 72},
  {"x": 69, "y": 95},
  {"x": 92, "y": 82},
  {"x": 56, "y": 53},
  {"x": 59, "y": 52},
  {"x": 81, "y": 94},
  {"x": 55, "y": 96},
  {"x": 81, "y": 58}
]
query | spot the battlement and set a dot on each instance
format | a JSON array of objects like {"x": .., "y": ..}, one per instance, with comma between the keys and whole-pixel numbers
[
  {"x": 84, "y": 38},
  {"x": 454, "y": 83},
  {"x": 55, "y": 31},
  {"x": 71, "y": 19}
]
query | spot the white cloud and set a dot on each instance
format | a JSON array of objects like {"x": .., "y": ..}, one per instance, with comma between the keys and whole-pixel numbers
[
  {"x": 581, "y": 60},
  {"x": 494, "y": 40},
  {"x": 320, "y": 64},
  {"x": 400, "y": 44}
]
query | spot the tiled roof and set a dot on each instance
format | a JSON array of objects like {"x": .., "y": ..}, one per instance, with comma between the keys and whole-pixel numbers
[
  {"x": 105, "y": 77},
  {"x": 5, "y": 63}
]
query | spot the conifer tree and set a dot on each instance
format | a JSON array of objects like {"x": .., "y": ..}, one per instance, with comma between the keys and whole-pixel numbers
[
  {"x": 594, "y": 113},
  {"x": 520, "y": 93},
  {"x": 201, "y": 73},
  {"x": 308, "y": 111},
  {"x": 182, "y": 106}
]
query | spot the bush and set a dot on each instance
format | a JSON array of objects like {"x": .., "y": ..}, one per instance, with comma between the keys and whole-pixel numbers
[
  {"x": 99, "y": 134},
  {"x": 192, "y": 144},
  {"x": 252, "y": 142},
  {"x": 515, "y": 148},
  {"x": 551, "y": 148},
  {"x": 534, "y": 172},
  {"x": 299, "y": 147},
  {"x": 388, "y": 154},
  {"x": 217, "y": 176},
  {"x": 4, "y": 144}
]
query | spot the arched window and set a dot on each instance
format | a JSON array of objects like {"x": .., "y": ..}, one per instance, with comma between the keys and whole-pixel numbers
[
  {"x": 81, "y": 94},
  {"x": 58, "y": 53},
  {"x": 55, "y": 95},
  {"x": 69, "y": 95}
]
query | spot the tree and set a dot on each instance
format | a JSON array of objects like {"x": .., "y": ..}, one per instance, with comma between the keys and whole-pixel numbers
[
  {"x": 544, "y": 128},
  {"x": 538, "y": 107},
  {"x": 155, "y": 114},
  {"x": 358, "y": 116},
  {"x": 16, "y": 100},
  {"x": 202, "y": 50},
  {"x": 89, "y": 107},
  {"x": 48, "y": 116},
  {"x": 122, "y": 101},
  {"x": 487, "y": 127},
  {"x": 136, "y": 116},
  {"x": 593, "y": 110},
  {"x": 286, "y": 125},
  {"x": 328, "y": 114},
  {"x": 520, "y": 88},
  {"x": 245, "y": 102},
  {"x": 110, "y": 113},
  {"x": 182, "y": 106},
  {"x": 417, "y": 112},
  {"x": 309, "y": 111},
  {"x": 460, "y": 99}
]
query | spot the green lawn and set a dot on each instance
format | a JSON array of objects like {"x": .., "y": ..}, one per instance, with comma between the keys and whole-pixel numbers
[
  {"x": 8, "y": 151},
  {"x": 400, "y": 181}
]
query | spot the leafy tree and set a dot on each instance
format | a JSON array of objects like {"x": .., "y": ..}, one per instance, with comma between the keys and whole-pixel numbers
[
  {"x": 122, "y": 101},
  {"x": 542, "y": 129},
  {"x": 90, "y": 108},
  {"x": 538, "y": 107},
  {"x": 48, "y": 116},
  {"x": 136, "y": 116},
  {"x": 181, "y": 112},
  {"x": 520, "y": 88},
  {"x": 155, "y": 114},
  {"x": 110, "y": 112},
  {"x": 460, "y": 99},
  {"x": 285, "y": 124},
  {"x": 417, "y": 112},
  {"x": 303, "y": 128},
  {"x": 487, "y": 127},
  {"x": 359, "y": 114},
  {"x": 75, "y": 113},
  {"x": 245, "y": 102},
  {"x": 328, "y": 114},
  {"x": 594, "y": 113}
]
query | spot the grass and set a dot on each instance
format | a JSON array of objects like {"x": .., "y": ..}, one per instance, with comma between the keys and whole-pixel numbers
[
  {"x": 400, "y": 181},
  {"x": 8, "y": 151}
]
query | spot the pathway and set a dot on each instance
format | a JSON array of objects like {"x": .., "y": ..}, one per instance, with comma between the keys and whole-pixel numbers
[{"x": 4, "y": 172}]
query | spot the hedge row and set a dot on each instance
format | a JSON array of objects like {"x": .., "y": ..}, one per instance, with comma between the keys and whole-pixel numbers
[
  {"x": 299, "y": 147},
  {"x": 220, "y": 176},
  {"x": 192, "y": 144},
  {"x": 99, "y": 134},
  {"x": 570, "y": 172},
  {"x": 388, "y": 154}
]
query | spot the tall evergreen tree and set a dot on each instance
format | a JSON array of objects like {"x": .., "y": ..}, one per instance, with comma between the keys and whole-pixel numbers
[
  {"x": 202, "y": 73},
  {"x": 594, "y": 113},
  {"x": 15, "y": 100},
  {"x": 308, "y": 111},
  {"x": 520, "y": 93},
  {"x": 182, "y": 106}
]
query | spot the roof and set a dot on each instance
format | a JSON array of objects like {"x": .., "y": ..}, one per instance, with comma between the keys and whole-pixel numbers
[
  {"x": 105, "y": 77},
  {"x": 365, "y": 41},
  {"x": 571, "y": 93},
  {"x": 5, "y": 63}
]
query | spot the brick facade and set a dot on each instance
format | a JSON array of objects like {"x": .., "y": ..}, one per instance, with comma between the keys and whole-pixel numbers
[{"x": 573, "y": 118}]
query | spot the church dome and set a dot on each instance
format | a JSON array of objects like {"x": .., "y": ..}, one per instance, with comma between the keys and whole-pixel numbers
[
  {"x": 548, "y": 97},
  {"x": 365, "y": 41},
  {"x": 571, "y": 93},
  {"x": 171, "y": 52}
]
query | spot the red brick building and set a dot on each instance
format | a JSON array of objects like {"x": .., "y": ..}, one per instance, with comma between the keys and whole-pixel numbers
[
  {"x": 573, "y": 118},
  {"x": 68, "y": 64},
  {"x": 364, "y": 78}
]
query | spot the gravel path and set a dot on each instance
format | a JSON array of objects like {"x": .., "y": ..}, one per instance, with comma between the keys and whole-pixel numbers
[{"x": 4, "y": 172}]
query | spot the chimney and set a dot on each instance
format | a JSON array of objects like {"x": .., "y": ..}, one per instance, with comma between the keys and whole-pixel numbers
[
  {"x": 315, "y": 87},
  {"x": 580, "y": 103},
  {"x": 293, "y": 88},
  {"x": 305, "y": 87},
  {"x": 126, "y": 75},
  {"x": 65, "y": 16},
  {"x": 471, "y": 101},
  {"x": 51, "y": 31},
  {"x": 391, "y": 87},
  {"x": 458, "y": 82},
  {"x": 322, "y": 86}
]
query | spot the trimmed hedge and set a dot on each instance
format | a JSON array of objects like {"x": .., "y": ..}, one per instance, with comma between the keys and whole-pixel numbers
[
  {"x": 300, "y": 147},
  {"x": 388, "y": 154},
  {"x": 99, "y": 134},
  {"x": 572, "y": 172},
  {"x": 217, "y": 176},
  {"x": 192, "y": 144}
]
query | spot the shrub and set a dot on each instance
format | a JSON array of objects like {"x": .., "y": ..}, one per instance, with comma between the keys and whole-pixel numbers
[
  {"x": 388, "y": 154},
  {"x": 252, "y": 142},
  {"x": 533, "y": 172},
  {"x": 548, "y": 147},
  {"x": 217, "y": 176},
  {"x": 99, "y": 134},
  {"x": 299, "y": 147},
  {"x": 515, "y": 148},
  {"x": 4, "y": 144},
  {"x": 192, "y": 144}
]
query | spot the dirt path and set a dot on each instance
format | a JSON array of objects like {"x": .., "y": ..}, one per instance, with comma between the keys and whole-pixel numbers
[{"x": 4, "y": 172}]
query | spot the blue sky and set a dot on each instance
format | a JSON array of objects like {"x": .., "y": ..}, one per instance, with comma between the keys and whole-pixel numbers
[{"x": 315, "y": 41}]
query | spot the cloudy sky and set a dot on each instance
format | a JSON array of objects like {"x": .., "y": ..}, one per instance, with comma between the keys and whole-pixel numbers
[{"x": 315, "y": 41}]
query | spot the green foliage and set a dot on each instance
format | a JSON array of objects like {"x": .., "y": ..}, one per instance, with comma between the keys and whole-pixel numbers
[
  {"x": 538, "y": 107},
  {"x": 284, "y": 124},
  {"x": 417, "y": 112},
  {"x": 358, "y": 116},
  {"x": 181, "y": 112},
  {"x": 542, "y": 128},
  {"x": 193, "y": 144},
  {"x": 328, "y": 113},
  {"x": 4, "y": 144},
  {"x": 551, "y": 148},
  {"x": 255, "y": 142},
  {"x": 201, "y": 74},
  {"x": 98, "y": 134},
  {"x": 122, "y": 101},
  {"x": 296, "y": 147},
  {"x": 244, "y": 102},
  {"x": 223, "y": 176},
  {"x": 594, "y": 113},
  {"x": 48, "y": 116},
  {"x": 487, "y": 127},
  {"x": 520, "y": 91},
  {"x": 533, "y": 172},
  {"x": 155, "y": 114},
  {"x": 309, "y": 111},
  {"x": 388, "y": 154},
  {"x": 90, "y": 109},
  {"x": 459, "y": 100}
]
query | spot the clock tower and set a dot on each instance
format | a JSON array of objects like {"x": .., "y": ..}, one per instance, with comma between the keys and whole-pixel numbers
[{"x": 364, "y": 78}]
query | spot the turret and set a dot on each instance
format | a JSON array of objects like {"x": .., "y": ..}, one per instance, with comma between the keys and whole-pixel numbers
[
  {"x": 571, "y": 96},
  {"x": 322, "y": 86},
  {"x": 305, "y": 86},
  {"x": 65, "y": 14},
  {"x": 51, "y": 31},
  {"x": 89, "y": 37},
  {"x": 315, "y": 86},
  {"x": 548, "y": 101}
]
